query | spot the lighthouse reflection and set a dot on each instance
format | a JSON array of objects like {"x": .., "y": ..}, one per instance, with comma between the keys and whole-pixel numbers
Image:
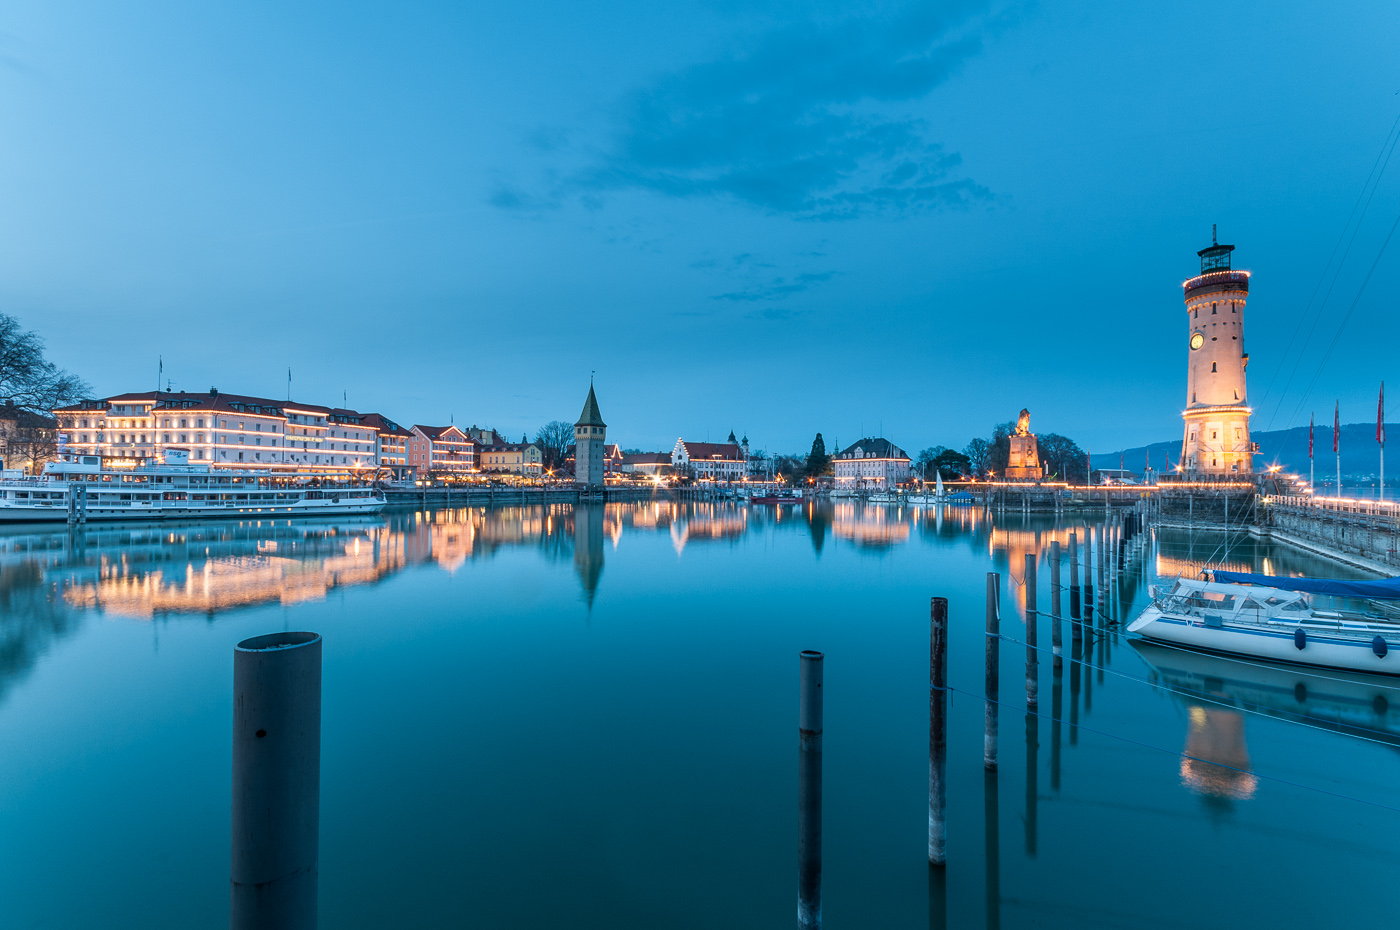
[{"x": 1216, "y": 760}]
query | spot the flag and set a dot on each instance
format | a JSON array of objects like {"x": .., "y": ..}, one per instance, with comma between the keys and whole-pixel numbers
[
  {"x": 1380, "y": 416},
  {"x": 1336, "y": 424},
  {"x": 1311, "y": 417}
]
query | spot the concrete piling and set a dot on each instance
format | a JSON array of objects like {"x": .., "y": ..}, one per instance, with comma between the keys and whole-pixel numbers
[
  {"x": 1032, "y": 621},
  {"x": 809, "y": 791},
  {"x": 938, "y": 732},
  {"x": 276, "y": 782},
  {"x": 992, "y": 674}
]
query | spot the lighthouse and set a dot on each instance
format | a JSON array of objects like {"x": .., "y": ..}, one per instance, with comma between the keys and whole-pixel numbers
[{"x": 1215, "y": 442}]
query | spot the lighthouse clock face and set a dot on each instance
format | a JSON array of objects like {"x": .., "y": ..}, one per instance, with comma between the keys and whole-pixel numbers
[{"x": 1197, "y": 341}]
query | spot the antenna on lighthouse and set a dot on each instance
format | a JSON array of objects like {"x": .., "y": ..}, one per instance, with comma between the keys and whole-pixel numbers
[{"x": 1212, "y": 235}]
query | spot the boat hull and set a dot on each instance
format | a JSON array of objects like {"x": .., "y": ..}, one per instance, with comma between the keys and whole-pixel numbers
[
  {"x": 142, "y": 514},
  {"x": 1279, "y": 644}
]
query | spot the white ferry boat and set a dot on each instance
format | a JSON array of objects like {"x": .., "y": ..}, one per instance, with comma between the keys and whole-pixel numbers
[
  {"x": 1273, "y": 618},
  {"x": 79, "y": 489}
]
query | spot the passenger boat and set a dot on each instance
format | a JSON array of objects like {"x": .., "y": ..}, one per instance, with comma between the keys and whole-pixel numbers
[
  {"x": 1273, "y": 618},
  {"x": 80, "y": 489},
  {"x": 792, "y": 497}
]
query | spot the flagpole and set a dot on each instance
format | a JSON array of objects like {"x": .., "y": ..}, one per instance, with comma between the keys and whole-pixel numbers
[
  {"x": 1337, "y": 445},
  {"x": 1312, "y": 474},
  {"x": 1380, "y": 437}
]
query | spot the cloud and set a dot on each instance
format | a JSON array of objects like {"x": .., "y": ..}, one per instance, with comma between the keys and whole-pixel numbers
[
  {"x": 793, "y": 125},
  {"x": 778, "y": 288}
]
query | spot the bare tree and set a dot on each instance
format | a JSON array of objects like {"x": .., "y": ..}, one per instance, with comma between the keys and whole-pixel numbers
[
  {"x": 27, "y": 379},
  {"x": 976, "y": 452},
  {"x": 554, "y": 439}
]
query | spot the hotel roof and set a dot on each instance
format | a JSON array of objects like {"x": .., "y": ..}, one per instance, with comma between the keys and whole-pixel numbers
[{"x": 873, "y": 449}]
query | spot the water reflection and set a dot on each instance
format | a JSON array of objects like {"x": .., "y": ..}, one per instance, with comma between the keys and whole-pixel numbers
[{"x": 1216, "y": 764}]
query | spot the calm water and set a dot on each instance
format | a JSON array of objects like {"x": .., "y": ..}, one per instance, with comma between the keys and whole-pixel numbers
[{"x": 586, "y": 718}]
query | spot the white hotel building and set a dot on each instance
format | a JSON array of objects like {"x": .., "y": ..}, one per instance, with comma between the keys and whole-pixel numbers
[
  {"x": 221, "y": 430},
  {"x": 871, "y": 464}
]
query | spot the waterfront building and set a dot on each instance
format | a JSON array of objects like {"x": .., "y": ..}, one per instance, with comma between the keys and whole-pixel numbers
[
  {"x": 871, "y": 464},
  {"x": 392, "y": 445},
  {"x": 648, "y": 464},
  {"x": 710, "y": 461},
  {"x": 1215, "y": 440},
  {"x": 28, "y": 440},
  {"x": 612, "y": 460},
  {"x": 219, "y": 430},
  {"x": 590, "y": 436},
  {"x": 441, "y": 450},
  {"x": 516, "y": 458},
  {"x": 484, "y": 437}
]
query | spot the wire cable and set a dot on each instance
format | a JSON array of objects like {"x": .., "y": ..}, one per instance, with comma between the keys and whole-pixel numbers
[
  {"x": 1340, "y": 236},
  {"x": 1178, "y": 753}
]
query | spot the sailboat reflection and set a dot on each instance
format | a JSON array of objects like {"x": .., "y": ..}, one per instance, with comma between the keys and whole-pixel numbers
[
  {"x": 1212, "y": 687},
  {"x": 1358, "y": 705}
]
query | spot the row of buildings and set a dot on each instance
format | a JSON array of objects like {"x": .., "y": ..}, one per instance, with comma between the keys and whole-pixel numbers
[
  {"x": 242, "y": 431},
  {"x": 245, "y": 432}
]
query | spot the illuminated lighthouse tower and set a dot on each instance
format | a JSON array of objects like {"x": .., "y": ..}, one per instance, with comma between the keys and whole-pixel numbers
[{"x": 1216, "y": 440}]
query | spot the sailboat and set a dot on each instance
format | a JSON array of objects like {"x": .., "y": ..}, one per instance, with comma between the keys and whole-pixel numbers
[
  {"x": 1270, "y": 617},
  {"x": 938, "y": 496}
]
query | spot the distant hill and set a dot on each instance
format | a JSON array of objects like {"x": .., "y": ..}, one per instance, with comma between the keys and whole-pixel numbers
[{"x": 1289, "y": 448}]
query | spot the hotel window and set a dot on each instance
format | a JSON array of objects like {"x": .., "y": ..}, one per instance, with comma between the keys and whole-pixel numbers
[
  {"x": 85, "y": 423},
  {"x": 165, "y": 437},
  {"x": 184, "y": 424},
  {"x": 199, "y": 422},
  {"x": 184, "y": 437},
  {"x": 198, "y": 437},
  {"x": 143, "y": 438},
  {"x": 240, "y": 439}
]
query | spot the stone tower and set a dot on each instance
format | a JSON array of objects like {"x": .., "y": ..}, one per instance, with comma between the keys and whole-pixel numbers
[
  {"x": 590, "y": 434},
  {"x": 1216, "y": 440}
]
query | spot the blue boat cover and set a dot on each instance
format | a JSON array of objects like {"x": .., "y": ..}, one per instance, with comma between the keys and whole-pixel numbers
[{"x": 1385, "y": 588}]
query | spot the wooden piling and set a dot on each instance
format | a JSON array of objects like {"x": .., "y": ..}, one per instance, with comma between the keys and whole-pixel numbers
[
  {"x": 938, "y": 732},
  {"x": 1076, "y": 631},
  {"x": 1089, "y": 534},
  {"x": 1032, "y": 654},
  {"x": 992, "y": 677},
  {"x": 1055, "y": 642}
]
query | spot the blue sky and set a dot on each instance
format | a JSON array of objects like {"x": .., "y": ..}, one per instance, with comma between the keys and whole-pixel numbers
[{"x": 775, "y": 218}]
